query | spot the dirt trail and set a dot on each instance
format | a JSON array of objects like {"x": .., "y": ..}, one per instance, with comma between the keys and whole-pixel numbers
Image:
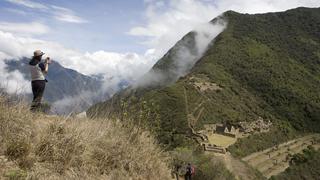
[
  {"x": 237, "y": 167},
  {"x": 275, "y": 160}
]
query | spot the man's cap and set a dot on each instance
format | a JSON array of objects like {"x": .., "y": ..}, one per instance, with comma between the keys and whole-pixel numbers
[{"x": 37, "y": 53}]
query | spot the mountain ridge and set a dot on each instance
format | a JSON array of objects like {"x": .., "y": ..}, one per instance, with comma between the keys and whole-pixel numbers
[{"x": 265, "y": 65}]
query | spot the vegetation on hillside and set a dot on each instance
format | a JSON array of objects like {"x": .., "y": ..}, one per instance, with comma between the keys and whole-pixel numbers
[
  {"x": 259, "y": 142},
  {"x": 38, "y": 146},
  {"x": 267, "y": 65},
  {"x": 207, "y": 167},
  {"x": 302, "y": 166}
]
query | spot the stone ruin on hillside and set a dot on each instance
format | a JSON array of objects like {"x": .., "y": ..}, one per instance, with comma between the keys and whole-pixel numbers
[
  {"x": 204, "y": 84},
  {"x": 214, "y": 148},
  {"x": 237, "y": 129},
  {"x": 234, "y": 130},
  {"x": 258, "y": 126},
  {"x": 223, "y": 129}
]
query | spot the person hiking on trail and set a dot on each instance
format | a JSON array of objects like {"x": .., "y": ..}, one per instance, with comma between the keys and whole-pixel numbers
[
  {"x": 38, "y": 71},
  {"x": 189, "y": 172}
]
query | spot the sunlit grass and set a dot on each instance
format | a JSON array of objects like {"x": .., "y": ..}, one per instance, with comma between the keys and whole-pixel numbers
[{"x": 38, "y": 146}]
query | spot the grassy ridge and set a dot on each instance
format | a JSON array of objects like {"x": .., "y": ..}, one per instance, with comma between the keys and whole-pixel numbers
[{"x": 35, "y": 146}]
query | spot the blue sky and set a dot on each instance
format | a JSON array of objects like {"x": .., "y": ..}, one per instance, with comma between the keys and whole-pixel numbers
[
  {"x": 105, "y": 25},
  {"x": 93, "y": 25}
]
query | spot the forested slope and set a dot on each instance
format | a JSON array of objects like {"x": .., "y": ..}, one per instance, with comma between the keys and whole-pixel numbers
[{"x": 262, "y": 65}]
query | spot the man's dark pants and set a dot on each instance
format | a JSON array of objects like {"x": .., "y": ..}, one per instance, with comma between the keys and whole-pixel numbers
[
  {"x": 38, "y": 87},
  {"x": 188, "y": 176}
]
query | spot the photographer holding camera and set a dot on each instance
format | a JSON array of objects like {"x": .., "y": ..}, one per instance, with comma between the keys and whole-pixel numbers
[{"x": 38, "y": 71}]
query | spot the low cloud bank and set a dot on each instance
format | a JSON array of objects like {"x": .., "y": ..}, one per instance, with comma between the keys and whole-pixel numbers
[
  {"x": 204, "y": 35},
  {"x": 116, "y": 69},
  {"x": 182, "y": 57},
  {"x": 168, "y": 21},
  {"x": 75, "y": 103},
  {"x": 12, "y": 82}
]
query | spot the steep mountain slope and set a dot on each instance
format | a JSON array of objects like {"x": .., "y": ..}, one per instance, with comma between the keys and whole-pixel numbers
[
  {"x": 263, "y": 65},
  {"x": 63, "y": 83},
  {"x": 178, "y": 61}
]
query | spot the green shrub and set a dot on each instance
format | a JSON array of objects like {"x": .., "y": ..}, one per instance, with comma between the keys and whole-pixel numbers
[{"x": 16, "y": 175}]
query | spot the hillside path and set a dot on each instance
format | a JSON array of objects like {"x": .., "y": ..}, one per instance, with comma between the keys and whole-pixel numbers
[{"x": 275, "y": 160}]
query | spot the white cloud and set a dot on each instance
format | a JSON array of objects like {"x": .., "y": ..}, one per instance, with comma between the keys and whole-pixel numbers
[
  {"x": 66, "y": 15},
  {"x": 13, "y": 82},
  {"x": 74, "y": 103},
  {"x": 25, "y": 29},
  {"x": 165, "y": 26},
  {"x": 114, "y": 66},
  {"x": 69, "y": 18},
  {"x": 28, "y": 3},
  {"x": 168, "y": 21},
  {"x": 185, "y": 54},
  {"x": 262, "y": 6},
  {"x": 59, "y": 13}
]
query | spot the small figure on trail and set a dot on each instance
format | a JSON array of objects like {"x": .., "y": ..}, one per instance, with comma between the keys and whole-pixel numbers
[
  {"x": 176, "y": 170},
  {"x": 189, "y": 172},
  {"x": 38, "y": 71}
]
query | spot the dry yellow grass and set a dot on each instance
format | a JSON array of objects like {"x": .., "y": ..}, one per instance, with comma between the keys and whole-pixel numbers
[{"x": 35, "y": 146}]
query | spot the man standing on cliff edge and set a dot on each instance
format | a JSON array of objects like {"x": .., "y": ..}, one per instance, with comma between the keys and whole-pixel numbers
[{"x": 38, "y": 71}]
